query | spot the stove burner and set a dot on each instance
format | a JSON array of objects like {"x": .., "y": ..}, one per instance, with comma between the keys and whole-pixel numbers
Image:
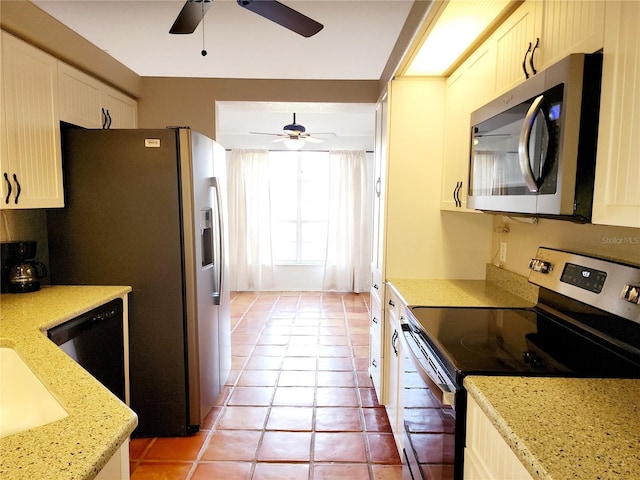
[{"x": 482, "y": 344}]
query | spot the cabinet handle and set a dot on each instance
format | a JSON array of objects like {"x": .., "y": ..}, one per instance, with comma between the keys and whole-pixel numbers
[
  {"x": 524, "y": 62},
  {"x": 374, "y": 363},
  {"x": 18, "y": 187},
  {"x": 456, "y": 194},
  {"x": 391, "y": 303},
  {"x": 104, "y": 118},
  {"x": 108, "y": 120},
  {"x": 394, "y": 339},
  {"x": 533, "y": 68},
  {"x": 378, "y": 185},
  {"x": 374, "y": 319},
  {"x": 9, "y": 188},
  {"x": 375, "y": 285}
]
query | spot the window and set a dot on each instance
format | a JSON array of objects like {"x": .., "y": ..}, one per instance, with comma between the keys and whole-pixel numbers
[{"x": 299, "y": 206}]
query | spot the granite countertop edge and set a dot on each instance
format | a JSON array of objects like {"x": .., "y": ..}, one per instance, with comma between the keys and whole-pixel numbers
[
  {"x": 79, "y": 445},
  {"x": 517, "y": 444}
]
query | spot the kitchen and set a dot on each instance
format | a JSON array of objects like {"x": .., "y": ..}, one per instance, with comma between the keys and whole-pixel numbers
[{"x": 417, "y": 144}]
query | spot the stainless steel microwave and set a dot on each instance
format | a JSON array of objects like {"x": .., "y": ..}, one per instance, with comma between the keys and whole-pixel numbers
[{"x": 533, "y": 149}]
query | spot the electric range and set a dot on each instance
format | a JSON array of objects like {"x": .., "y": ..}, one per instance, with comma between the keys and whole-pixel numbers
[{"x": 586, "y": 324}]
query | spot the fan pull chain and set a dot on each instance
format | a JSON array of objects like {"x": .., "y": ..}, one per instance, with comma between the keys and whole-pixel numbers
[{"x": 204, "y": 51}]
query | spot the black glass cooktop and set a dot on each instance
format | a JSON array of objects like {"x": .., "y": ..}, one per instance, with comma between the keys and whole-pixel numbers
[{"x": 517, "y": 341}]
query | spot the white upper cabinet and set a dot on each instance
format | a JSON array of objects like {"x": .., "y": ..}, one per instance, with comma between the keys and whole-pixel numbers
[
  {"x": 515, "y": 45},
  {"x": 87, "y": 102},
  {"x": 468, "y": 88},
  {"x": 31, "y": 157},
  {"x": 617, "y": 185},
  {"x": 570, "y": 27},
  {"x": 540, "y": 33}
]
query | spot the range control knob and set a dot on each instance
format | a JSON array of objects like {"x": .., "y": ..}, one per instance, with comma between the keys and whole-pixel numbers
[
  {"x": 631, "y": 293},
  {"x": 541, "y": 266}
]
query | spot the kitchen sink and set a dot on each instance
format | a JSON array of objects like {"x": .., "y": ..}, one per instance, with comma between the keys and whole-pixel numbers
[{"x": 25, "y": 402}]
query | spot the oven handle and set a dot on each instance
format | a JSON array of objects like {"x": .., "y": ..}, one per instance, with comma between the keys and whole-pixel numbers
[{"x": 445, "y": 393}]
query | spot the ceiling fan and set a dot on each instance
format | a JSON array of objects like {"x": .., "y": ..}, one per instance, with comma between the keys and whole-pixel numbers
[
  {"x": 294, "y": 135},
  {"x": 193, "y": 12}
]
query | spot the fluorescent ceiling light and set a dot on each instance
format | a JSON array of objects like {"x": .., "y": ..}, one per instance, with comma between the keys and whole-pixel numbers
[{"x": 461, "y": 23}]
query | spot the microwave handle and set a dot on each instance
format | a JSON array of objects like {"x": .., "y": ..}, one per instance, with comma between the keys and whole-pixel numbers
[{"x": 523, "y": 146}]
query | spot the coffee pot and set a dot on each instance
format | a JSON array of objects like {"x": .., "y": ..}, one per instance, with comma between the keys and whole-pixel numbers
[{"x": 20, "y": 272}]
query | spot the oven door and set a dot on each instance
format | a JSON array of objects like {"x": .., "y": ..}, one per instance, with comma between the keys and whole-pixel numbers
[{"x": 430, "y": 401}]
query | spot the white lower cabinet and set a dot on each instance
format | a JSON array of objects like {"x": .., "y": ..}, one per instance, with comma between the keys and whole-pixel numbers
[
  {"x": 117, "y": 468},
  {"x": 376, "y": 332},
  {"x": 394, "y": 365},
  {"x": 486, "y": 455}
]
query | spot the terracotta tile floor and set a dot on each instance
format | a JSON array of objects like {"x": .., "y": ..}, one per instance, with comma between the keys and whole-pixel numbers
[{"x": 299, "y": 403}]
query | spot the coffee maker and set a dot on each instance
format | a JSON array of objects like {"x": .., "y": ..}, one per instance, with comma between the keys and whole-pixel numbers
[{"x": 20, "y": 272}]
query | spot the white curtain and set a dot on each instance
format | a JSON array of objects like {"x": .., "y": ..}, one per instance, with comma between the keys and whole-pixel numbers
[
  {"x": 250, "y": 221},
  {"x": 348, "y": 261}
]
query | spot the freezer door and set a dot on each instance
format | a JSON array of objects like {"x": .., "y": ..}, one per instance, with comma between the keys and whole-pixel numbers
[{"x": 199, "y": 213}]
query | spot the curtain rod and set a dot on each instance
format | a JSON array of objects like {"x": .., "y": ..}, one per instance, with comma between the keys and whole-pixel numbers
[{"x": 286, "y": 150}]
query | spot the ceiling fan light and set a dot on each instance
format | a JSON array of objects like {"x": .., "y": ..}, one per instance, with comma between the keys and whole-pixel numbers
[{"x": 294, "y": 143}]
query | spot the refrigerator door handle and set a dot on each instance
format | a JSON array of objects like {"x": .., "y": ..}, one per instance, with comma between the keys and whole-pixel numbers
[{"x": 219, "y": 246}]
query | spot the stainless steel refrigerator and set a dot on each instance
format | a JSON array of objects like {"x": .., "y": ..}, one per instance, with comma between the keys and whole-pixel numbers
[{"x": 147, "y": 208}]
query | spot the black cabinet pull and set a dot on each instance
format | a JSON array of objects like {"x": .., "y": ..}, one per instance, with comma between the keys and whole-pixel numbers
[
  {"x": 533, "y": 68},
  {"x": 394, "y": 339},
  {"x": 456, "y": 194},
  {"x": 391, "y": 303},
  {"x": 374, "y": 363},
  {"x": 9, "y": 188},
  {"x": 374, "y": 319},
  {"x": 104, "y": 118},
  {"x": 18, "y": 187},
  {"x": 375, "y": 285},
  {"x": 524, "y": 62},
  {"x": 109, "y": 120}
]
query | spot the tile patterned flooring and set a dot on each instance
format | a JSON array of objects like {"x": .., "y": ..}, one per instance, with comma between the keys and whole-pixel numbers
[{"x": 299, "y": 403}]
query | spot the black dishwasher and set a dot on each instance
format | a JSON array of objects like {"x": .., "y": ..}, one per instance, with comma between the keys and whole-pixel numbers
[{"x": 95, "y": 340}]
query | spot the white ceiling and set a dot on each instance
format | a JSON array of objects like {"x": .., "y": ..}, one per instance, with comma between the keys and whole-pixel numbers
[{"x": 355, "y": 44}]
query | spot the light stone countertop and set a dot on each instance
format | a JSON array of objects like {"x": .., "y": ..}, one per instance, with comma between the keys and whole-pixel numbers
[
  {"x": 566, "y": 428},
  {"x": 78, "y": 446},
  {"x": 501, "y": 289}
]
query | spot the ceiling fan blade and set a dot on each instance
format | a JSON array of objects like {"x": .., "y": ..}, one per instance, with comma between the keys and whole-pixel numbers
[
  {"x": 190, "y": 16},
  {"x": 283, "y": 15},
  {"x": 271, "y": 134},
  {"x": 311, "y": 139}
]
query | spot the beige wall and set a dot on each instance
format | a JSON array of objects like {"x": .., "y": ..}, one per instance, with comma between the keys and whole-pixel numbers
[
  {"x": 191, "y": 101},
  {"x": 616, "y": 243}
]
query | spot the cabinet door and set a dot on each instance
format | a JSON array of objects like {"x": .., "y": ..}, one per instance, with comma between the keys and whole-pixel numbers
[
  {"x": 380, "y": 168},
  {"x": 31, "y": 156},
  {"x": 376, "y": 333},
  {"x": 471, "y": 86},
  {"x": 570, "y": 27},
  {"x": 617, "y": 186},
  {"x": 487, "y": 456},
  {"x": 122, "y": 110},
  {"x": 512, "y": 40},
  {"x": 394, "y": 385},
  {"x": 80, "y": 98}
]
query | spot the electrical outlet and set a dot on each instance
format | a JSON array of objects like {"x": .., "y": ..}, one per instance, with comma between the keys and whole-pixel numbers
[{"x": 503, "y": 252}]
